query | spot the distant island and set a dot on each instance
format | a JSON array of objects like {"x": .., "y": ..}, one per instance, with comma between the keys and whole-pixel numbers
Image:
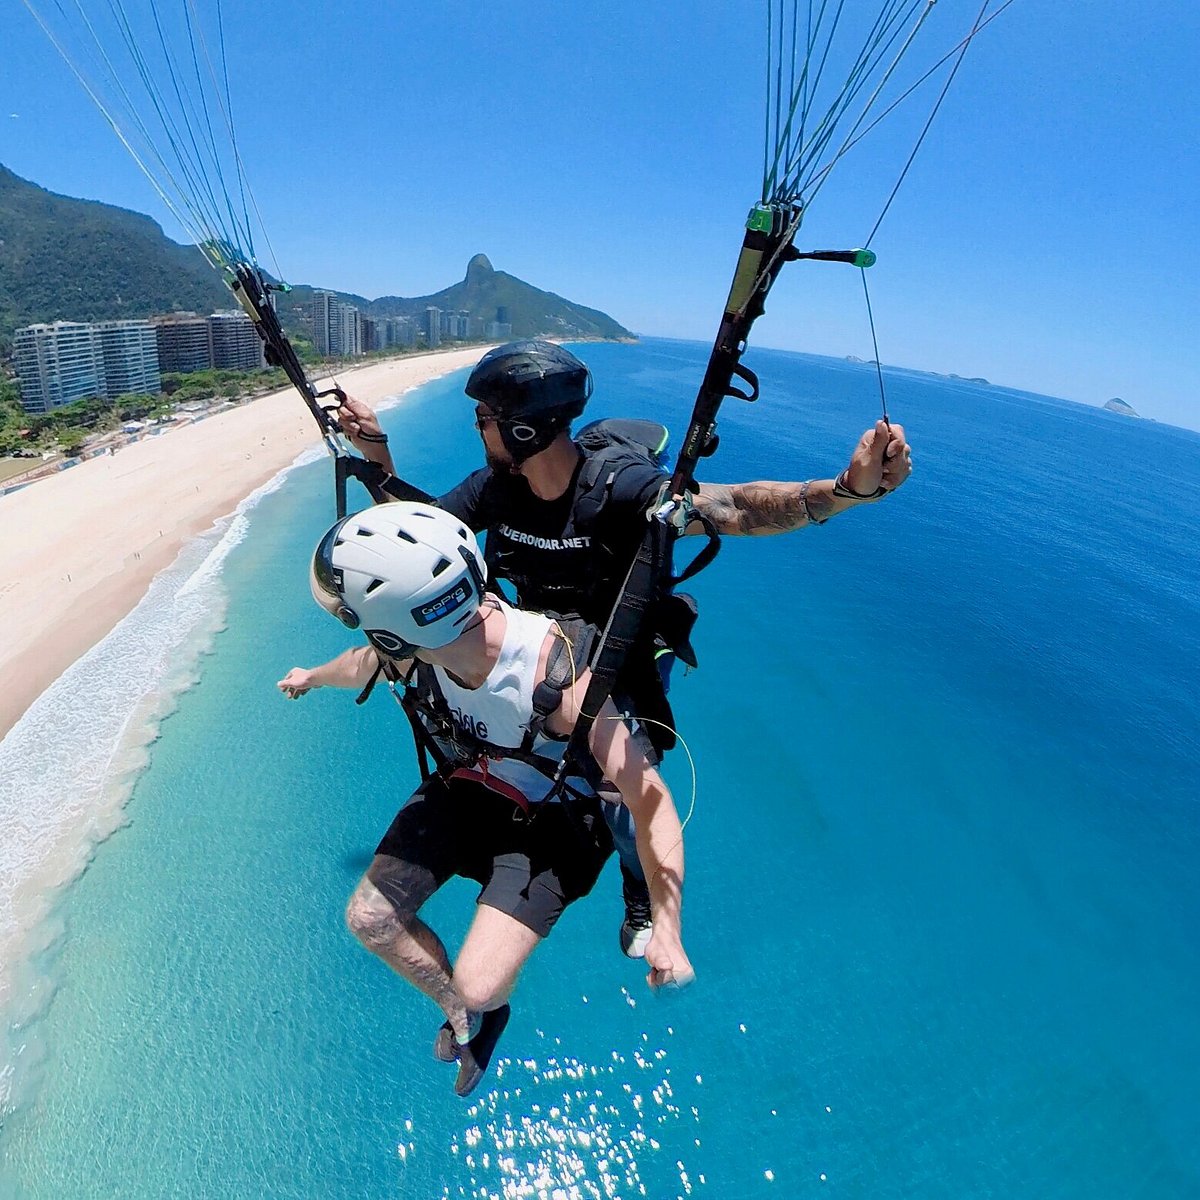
[
  {"x": 1118, "y": 405},
  {"x": 870, "y": 362}
]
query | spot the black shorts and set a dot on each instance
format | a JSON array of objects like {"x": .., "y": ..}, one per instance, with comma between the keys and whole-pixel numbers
[{"x": 531, "y": 867}]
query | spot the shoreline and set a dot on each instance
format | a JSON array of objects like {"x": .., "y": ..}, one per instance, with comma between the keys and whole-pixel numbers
[{"x": 83, "y": 546}]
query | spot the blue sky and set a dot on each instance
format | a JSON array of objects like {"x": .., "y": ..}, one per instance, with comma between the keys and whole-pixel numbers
[{"x": 609, "y": 153}]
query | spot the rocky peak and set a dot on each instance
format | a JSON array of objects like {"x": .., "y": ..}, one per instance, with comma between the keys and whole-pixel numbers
[{"x": 478, "y": 269}]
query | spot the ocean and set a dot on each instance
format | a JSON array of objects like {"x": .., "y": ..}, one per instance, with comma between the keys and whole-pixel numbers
[{"x": 942, "y": 888}]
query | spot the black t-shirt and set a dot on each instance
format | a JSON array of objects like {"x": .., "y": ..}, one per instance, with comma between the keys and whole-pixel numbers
[
  {"x": 571, "y": 555},
  {"x": 568, "y": 555}
]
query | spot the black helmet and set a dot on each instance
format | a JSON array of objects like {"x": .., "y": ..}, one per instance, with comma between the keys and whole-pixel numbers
[{"x": 534, "y": 388}]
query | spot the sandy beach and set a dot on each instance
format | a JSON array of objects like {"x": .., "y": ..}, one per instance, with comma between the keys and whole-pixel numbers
[{"x": 81, "y": 547}]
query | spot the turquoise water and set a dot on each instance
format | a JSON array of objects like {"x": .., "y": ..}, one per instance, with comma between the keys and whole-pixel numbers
[{"x": 943, "y": 915}]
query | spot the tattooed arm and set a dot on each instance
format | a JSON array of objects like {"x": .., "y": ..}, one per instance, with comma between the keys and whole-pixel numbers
[
  {"x": 767, "y": 506},
  {"x": 882, "y": 459}
]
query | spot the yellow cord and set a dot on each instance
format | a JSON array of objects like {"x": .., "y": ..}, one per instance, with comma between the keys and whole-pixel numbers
[
  {"x": 686, "y": 749},
  {"x": 556, "y": 630}
]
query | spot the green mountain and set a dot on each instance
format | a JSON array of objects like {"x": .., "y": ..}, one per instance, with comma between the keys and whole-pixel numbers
[
  {"x": 482, "y": 293},
  {"x": 63, "y": 259},
  {"x": 531, "y": 311}
]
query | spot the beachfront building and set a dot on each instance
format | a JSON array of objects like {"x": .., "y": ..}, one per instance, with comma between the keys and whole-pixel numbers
[
  {"x": 235, "y": 343},
  {"x": 72, "y": 360},
  {"x": 324, "y": 306},
  {"x": 432, "y": 328},
  {"x": 396, "y": 331},
  {"x": 346, "y": 339},
  {"x": 59, "y": 363},
  {"x": 499, "y": 330},
  {"x": 189, "y": 342},
  {"x": 337, "y": 326},
  {"x": 184, "y": 342},
  {"x": 130, "y": 351},
  {"x": 455, "y": 325}
]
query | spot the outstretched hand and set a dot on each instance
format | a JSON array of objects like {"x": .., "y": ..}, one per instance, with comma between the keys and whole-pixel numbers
[
  {"x": 669, "y": 964},
  {"x": 882, "y": 458},
  {"x": 296, "y": 683}
]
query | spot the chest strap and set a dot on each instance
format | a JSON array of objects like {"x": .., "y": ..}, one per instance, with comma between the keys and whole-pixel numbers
[{"x": 433, "y": 726}]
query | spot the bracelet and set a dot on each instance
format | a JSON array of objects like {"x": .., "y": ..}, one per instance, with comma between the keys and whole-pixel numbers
[
  {"x": 808, "y": 512},
  {"x": 380, "y": 438},
  {"x": 846, "y": 492}
]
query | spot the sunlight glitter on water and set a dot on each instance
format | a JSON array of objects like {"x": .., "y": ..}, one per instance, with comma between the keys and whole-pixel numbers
[{"x": 563, "y": 1129}]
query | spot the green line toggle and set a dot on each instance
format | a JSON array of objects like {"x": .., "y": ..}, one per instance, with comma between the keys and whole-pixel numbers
[{"x": 856, "y": 258}]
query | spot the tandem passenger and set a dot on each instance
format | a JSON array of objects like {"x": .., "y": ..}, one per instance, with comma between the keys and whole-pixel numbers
[{"x": 493, "y": 693}]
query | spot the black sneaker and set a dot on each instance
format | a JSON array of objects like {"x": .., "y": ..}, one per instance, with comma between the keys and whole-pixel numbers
[
  {"x": 637, "y": 928},
  {"x": 445, "y": 1045},
  {"x": 473, "y": 1058}
]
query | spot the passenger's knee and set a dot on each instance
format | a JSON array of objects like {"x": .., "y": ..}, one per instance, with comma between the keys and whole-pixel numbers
[
  {"x": 478, "y": 994},
  {"x": 373, "y": 921}
]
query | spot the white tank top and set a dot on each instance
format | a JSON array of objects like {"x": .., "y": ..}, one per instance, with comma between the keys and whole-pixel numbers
[{"x": 500, "y": 709}]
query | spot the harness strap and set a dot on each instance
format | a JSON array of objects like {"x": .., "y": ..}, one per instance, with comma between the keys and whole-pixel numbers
[
  {"x": 425, "y": 704},
  {"x": 426, "y": 746},
  {"x": 566, "y": 661},
  {"x": 492, "y": 783},
  {"x": 365, "y": 694},
  {"x": 707, "y": 552}
]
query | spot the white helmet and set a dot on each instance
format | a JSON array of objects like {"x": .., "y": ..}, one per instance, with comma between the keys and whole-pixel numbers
[{"x": 411, "y": 575}]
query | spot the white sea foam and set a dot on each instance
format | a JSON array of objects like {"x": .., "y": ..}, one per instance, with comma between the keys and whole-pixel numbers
[{"x": 68, "y": 765}]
